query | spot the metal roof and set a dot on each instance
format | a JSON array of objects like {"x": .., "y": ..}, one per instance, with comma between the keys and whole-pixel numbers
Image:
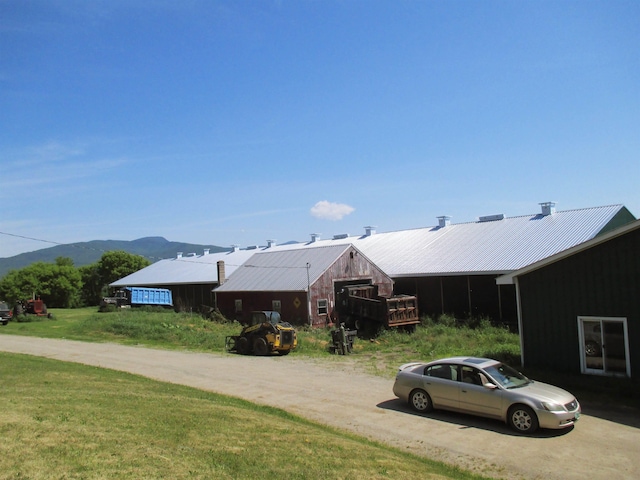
[
  {"x": 481, "y": 247},
  {"x": 510, "y": 278},
  {"x": 283, "y": 270},
  {"x": 193, "y": 269},
  {"x": 497, "y": 246}
]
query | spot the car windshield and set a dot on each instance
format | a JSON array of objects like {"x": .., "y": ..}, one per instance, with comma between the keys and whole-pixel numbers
[{"x": 507, "y": 376}]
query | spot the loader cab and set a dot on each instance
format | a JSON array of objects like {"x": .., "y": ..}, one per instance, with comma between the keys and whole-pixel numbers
[{"x": 264, "y": 316}]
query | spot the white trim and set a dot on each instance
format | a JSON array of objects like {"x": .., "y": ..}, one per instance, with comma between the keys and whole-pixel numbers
[{"x": 581, "y": 338}]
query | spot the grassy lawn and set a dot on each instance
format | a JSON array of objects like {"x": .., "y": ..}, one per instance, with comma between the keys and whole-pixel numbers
[
  {"x": 63, "y": 420},
  {"x": 70, "y": 421}
]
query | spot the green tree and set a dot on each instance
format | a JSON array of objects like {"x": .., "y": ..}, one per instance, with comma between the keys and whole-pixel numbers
[
  {"x": 115, "y": 265},
  {"x": 58, "y": 284}
]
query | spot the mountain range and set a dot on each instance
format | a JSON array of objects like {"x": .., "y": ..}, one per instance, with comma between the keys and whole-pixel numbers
[{"x": 86, "y": 253}]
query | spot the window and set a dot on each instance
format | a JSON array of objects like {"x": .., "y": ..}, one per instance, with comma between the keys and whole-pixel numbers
[
  {"x": 276, "y": 306},
  {"x": 447, "y": 372},
  {"x": 238, "y": 306},
  {"x": 323, "y": 307}
]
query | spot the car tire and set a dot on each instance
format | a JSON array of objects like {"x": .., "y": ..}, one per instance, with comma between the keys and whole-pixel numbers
[
  {"x": 523, "y": 419},
  {"x": 420, "y": 401}
]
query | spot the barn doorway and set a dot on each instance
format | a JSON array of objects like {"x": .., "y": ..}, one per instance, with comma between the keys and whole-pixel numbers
[{"x": 604, "y": 347}]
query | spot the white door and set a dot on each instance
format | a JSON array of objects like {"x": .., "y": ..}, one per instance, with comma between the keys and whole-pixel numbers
[{"x": 604, "y": 345}]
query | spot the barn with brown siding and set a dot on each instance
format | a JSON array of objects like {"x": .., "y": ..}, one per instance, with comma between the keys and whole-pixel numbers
[{"x": 301, "y": 284}]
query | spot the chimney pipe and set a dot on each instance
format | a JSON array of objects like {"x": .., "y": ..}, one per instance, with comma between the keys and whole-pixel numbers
[
  {"x": 271, "y": 243},
  {"x": 369, "y": 231},
  {"x": 221, "y": 272},
  {"x": 315, "y": 237},
  {"x": 179, "y": 255},
  {"x": 206, "y": 251}
]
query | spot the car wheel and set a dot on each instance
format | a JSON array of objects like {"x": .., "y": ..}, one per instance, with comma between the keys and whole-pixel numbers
[
  {"x": 260, "y": 346},
  {"x": 420, "y": 401},
  {"x": 592, "y": 349},
  {"x": 523, "y": 419}
]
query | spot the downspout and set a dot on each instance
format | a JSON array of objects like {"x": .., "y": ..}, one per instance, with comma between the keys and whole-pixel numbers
[
  {"x": 519, "y": 309},
  {"x": 469, "y": 295}
]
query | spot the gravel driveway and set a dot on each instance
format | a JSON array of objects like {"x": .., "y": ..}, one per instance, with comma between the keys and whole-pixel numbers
[{"x": 340, "y": 396}]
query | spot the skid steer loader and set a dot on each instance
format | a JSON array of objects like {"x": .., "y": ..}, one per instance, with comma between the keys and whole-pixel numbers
[{"x": 265, "y": 334}]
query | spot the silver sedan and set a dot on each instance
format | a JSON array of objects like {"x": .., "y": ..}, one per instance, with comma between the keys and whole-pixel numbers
[{"x": 488, "y": 388}]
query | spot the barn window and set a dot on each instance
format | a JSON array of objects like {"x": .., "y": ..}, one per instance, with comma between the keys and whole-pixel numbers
[
  {"x": 323, "y": 307},
  {"x": 238, "y": 306},
  {"x": 276, "y": 306}
]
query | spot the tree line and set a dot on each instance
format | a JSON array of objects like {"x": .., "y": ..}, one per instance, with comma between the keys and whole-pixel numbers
[{"x": 62, "y": 285}]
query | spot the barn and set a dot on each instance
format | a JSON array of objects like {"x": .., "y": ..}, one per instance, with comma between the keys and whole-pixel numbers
[
  {"x": 191, "y": 277},
  {"x": 579, "y": 310},
  {"x": 300, "y": 283},
  {"x": 451, "y": 267}
]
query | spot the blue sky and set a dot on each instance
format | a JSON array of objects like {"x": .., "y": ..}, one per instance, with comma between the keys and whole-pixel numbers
[{"x": 234, "y": 122}]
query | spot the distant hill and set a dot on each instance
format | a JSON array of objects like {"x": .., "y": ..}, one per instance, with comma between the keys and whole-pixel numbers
[{"x": 86, "y": 253}]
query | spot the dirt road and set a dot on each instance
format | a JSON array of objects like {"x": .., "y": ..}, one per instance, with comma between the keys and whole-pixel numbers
[{"x": 340, "y": 396}]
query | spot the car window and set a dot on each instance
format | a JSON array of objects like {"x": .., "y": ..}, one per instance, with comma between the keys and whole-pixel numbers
[
  {"x": 471, "y": 375},
  {"x": 445, "y": 371}
]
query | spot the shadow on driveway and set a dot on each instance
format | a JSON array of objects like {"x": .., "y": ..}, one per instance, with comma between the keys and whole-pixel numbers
[{"x": 465, "y": 421}]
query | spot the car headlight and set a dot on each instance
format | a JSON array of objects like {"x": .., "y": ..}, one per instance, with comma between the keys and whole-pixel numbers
[{"x": 553, "y": 407}]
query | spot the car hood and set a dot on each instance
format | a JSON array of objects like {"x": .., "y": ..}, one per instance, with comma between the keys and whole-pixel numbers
[{"x": 546, "y": 393}]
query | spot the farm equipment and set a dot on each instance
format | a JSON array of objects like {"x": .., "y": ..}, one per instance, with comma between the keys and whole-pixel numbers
[
  {"x": 266, "y": 333},
  {"x": 342, "y": 340},
  {"x": 137, "y": 297},
  {"x": 33, "y": 306},
  {"x": 360, "y": 307}
]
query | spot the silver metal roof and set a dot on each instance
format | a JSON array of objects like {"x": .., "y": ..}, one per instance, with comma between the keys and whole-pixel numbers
[
  {"x": 283, "y": 270},
  {"x": 483, "y": 247},
  {"x": 197, "y": 269}
]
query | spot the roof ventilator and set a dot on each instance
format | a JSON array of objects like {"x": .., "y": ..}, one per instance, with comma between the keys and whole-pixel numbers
[
  {"x": 271, "y": 243},
  {"x": 341, "y": 236},
  {"x": 491, "y": 218},
  {"x": 548, "y": 208},
  {"x": 368, "y": 231},
  {"x": 179, "y": 255},
  {"x": 315, "y": 237},
  {"x": 444, "y": 221}
]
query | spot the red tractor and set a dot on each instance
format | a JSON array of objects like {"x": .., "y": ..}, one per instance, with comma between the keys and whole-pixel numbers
[{"x": 34, "y": 306}]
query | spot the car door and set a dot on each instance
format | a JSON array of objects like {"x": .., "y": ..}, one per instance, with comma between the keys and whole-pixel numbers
[
  {"x": 441, "y": 382},
  {"x": 475, "y": 397}
]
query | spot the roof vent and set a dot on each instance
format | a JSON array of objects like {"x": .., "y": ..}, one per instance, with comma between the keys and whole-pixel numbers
[
  {"x": 179, "y": 255},
  {"x": 368, "y": 231},
  {"x": 206, "y": 251},
  {"x": 252, "y": 247},
  {"x": 444, "y": 221},
  {"x": 341, "y": 236},
  {"x": 271, "y": 243},
  {"x": 193, "y": 254},
  {"x": 491, "y": 218},
  {"x": 548, "y": 208},
  {"x": 235, "y": 248},
  {"x": 315, "y": 237}
]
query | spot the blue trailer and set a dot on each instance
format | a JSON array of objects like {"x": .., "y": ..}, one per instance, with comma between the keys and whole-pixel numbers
[{"x": 138, "y": 297}]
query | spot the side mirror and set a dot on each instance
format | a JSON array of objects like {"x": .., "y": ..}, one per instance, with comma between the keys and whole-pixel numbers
[{"x": 490, "y": 386}]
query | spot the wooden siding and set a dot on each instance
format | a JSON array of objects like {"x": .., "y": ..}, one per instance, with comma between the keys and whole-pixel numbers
[
  {"x": 350, "y": 267},
  {"x": 603, "y": 281}
]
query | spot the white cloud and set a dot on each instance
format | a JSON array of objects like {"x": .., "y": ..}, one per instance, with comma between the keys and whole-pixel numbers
[{"x": 330, "y": 211}]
